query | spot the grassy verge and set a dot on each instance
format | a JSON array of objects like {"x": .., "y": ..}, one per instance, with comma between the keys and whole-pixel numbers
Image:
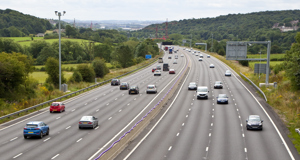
[
  {"x": 45, "y": 95},
  {"x": 285, "y": 102}
]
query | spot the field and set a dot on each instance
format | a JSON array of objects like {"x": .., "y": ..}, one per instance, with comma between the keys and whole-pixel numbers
[
  {"x": 70, "y": 65},
  {"x": 276, "y": 56},
  {"x": 272, "y": 63},
  {"x": 20, "y": 39},
  {"x": 41, "y": 76},
  {"x": 25, "y": 41}
]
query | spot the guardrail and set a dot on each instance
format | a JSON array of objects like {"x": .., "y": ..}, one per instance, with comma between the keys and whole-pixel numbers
[
  {"x": 138, "y": 127},
  {"x": 73, "y": 93},
  {"x": 255, "y": 86}
]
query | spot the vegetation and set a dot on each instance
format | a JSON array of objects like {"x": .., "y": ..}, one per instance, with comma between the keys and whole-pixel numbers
[
  {"x": 233, "y": 27},
  {"x": 16, "y": 24}
]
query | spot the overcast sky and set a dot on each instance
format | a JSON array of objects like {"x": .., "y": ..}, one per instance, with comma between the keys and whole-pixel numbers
[{"x": 144, "y": 9}]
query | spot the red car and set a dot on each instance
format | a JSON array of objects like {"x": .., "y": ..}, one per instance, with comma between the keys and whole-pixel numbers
[
  {"x": 172, "y": 71},
  {"x": 57, "y": 107},
  {"x": 153, "y": 69}
]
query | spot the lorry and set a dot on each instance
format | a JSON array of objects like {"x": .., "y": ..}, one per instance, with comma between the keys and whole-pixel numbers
[
  {"x": 165, "y": 67},
  {"x": 160, "y": 60},
  {"x": 170, "y": 51}
]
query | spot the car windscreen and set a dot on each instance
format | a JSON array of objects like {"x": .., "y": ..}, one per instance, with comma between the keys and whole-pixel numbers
[
  {"x": 150, "y": 87},
  {"x": 55, "y": 104},
  {"x": 202, "y": 90},
  {"x": 31, "y": 125},
  {"x": 254, "y": 119},
  {"x": 222, "y": 96}
]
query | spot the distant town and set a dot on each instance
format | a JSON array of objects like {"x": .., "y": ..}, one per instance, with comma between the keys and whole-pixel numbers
[{"x": 130, "y": 25}]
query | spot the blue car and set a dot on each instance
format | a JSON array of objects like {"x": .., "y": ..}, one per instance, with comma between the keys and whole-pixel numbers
[
  {"x": 222, "y": 98},
  {"x": 36, "y": 129}
]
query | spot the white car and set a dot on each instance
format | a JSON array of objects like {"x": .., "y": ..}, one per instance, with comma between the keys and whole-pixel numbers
[
  {"x": 200, "y": 59},
  {"x": 175, "y": 62},
  {"x": 227, "y": 73},
  {"x": 211, "y": 66},
  {"x": 157, "y": 73},
  {"x": 151, "y": 88},
  {"x": 181, "y": 55},
  {"x": 201, "y": 56}
]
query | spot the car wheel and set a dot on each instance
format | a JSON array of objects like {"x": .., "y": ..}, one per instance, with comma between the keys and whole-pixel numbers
[
  {"x": 41, "y": 135},
  {"x": 60, "y": 110},
  {"x": 48, "y": 132},
  {"x": 25, "y": 137},
  {"x": 247, "y": 128},
  {"x": 51, "y": 111},
  {"x": 79, "y": 127}
]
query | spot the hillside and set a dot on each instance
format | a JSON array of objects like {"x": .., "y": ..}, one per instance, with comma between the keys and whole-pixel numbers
[
  {"x": 252, "y": 26},
  {"x": 17, "y": 24}
]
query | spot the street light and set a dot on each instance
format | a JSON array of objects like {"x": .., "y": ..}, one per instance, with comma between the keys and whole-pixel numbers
[{"x": 59, "y": 14}]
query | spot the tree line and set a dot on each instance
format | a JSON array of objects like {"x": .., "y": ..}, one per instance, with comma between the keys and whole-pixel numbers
[{"x": 255, "y": 26}]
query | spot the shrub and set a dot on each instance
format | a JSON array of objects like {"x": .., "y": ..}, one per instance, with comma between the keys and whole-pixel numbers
[
  {"x": 87, "y": 72},
  {"x": 77, "y": 77}
]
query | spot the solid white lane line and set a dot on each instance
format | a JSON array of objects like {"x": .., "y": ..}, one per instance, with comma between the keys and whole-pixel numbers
[
  {"x": 109, "y": 118},
  {"x": 68, "y": 127},
  {"x": 170, "y": 148},
  {"x": 55, "y": 156},
  {"x": 14, "y": 139},
  {"x": 47, "y": 139},
  {"x": 79, "y": 140},
  {"x": 17, "y": 155},
  {"x": 177, "y": 134}
]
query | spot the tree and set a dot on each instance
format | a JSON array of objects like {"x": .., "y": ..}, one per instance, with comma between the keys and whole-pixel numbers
[
  {"x": 100, "y": 67},
  {"x": 71, "y": 31},
  {"x": 14, "y": 72},
  {"x": 77, "y": 77},
  {"x": 292, "y": 63},
  {"x": 87, "y": 72},
  {"x": 46, "y": 52},
  {"x": 124, "y": 56},
  {"x": 52, "y": 69},
  {"x": 36, "y": 47}
]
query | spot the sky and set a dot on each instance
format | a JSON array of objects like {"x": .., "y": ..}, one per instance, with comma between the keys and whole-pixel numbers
[{"x": 144, "y": 9}]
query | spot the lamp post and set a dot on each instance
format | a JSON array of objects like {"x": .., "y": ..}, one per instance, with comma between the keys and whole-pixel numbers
[{"x": 59, "y": 50}]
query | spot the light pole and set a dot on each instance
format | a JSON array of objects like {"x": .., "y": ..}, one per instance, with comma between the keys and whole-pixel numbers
[
  {"x": 212, "y": 42},
  {"x": 59, "y": 50}
]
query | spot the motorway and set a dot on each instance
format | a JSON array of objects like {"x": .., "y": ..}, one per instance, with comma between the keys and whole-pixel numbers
[
  {"x": 186, "y": 129},
  {"x": 115, "y": 109},
  {"x": 192, "y": 129}
]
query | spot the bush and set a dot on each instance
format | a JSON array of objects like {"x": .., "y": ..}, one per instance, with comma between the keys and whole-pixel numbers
[
  {"x": 100, "y": 67},
  {"x": 79, "y": 59},
  {"x": 87, "y": 72},
  {"x": 77, "y": 77},
  {"x": 244, "y": 63},
  {"x": 43, "y": 69}
]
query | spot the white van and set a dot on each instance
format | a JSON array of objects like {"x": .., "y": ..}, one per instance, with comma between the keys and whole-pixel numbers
[{"x": 202, "y": 92}]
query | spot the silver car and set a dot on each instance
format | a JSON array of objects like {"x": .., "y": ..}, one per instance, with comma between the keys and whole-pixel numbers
[
  {"x": 175, "y": 62},
  {"x": 218, "y": 84},
  {"x": 157, "y": 73},
  {"x": 192, "y": 86},
  {"x": 88, "y": 122},
  {"x": 227, "y": 73},
  {"x": 211, "y": 66},
  {"x": 151, "y": 88}
]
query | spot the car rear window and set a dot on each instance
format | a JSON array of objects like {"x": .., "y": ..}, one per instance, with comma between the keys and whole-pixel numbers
[
  {"x": 86, "y": 118},
  {"x": 31, "y": 125},
  {"x": 150, "y": 87},
  {"x": 55, "y": 104}
]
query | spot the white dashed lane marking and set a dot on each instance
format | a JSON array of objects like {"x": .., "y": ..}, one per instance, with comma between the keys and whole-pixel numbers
[
  {"x": 68, "y": 127},
  {"x": 17, "y": 155},
  {"x": 14, "y": 139},
  {"x": 55, "y": 156},
  {"x": 79, "y": 140}
]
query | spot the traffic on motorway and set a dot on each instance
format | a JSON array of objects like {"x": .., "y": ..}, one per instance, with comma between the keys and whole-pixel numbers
[{"x": 209, "y": 119}]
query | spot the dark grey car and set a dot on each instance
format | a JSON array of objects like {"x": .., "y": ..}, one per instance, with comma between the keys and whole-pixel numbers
[
  {"x": 222, "y": 98},
  {"x": 254, "y": 122},
  {"x": 88, "y": 122},
  {"x": 192, "y": 86},
  {"x": 218, "y": 84}
]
